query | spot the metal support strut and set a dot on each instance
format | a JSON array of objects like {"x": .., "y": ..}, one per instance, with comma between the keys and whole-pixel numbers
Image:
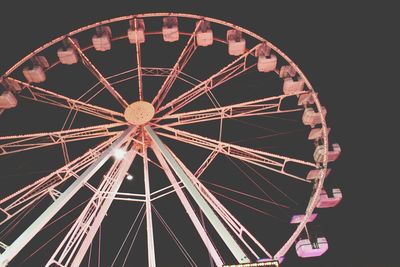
[
  {"x": 198, "y": 198},
  {"x": 13, "y": 249}
]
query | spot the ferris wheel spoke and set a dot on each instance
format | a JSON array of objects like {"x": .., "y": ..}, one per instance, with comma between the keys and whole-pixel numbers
[
  {"x": 89, "y": 65},
  {"x": 18, "y": 143},
  {"x": 39, "y": 94},
  {"x": 139, "y": 62},
  {"x": 22, "y": 240},
  {"x": 259, "y": 107},
  {"x": 19, "y": 201},
  {"x": 235, "y": 68},
  {"x": 270, "y": 161},
  {"x": 73, "y": 248},
  {"x": 180, "y": 64},
  {"x": 237, "y": 228}
]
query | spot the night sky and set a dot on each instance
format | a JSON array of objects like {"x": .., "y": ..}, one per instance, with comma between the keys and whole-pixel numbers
[{"x": 340, "y": 47}]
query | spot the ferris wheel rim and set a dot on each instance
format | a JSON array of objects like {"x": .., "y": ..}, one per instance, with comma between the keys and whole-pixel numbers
[{"x": 313, "y": 198}]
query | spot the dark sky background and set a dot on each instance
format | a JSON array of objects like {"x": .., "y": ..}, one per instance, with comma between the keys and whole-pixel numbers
[{"x": 344, "y": 51}]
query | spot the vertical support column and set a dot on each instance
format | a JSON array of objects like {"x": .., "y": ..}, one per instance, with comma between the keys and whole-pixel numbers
[
  {"x": 149, "y": 220},
  {"x": 189, "y": 209},
  {"x": 48, "y": 214},
  {"x": 198, "y": 198},
  {"x": 104, "y": 208}
]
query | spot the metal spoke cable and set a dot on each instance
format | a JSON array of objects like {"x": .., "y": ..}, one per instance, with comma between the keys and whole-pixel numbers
[
  {"x": 245, "y": 194},
  {"x": 23, "y": 215},
  {"x": 268, "y": 136},
  {"x": 247, "y": 206},
  {"x": 128, "y": 234},
  {"x": 175, "y": 238},
  {"x": 251, "y": 180},
  {"x": 48, "y": 241},
  {"x": 134, "y": 239},
  {"x": 270, "y": 183}
]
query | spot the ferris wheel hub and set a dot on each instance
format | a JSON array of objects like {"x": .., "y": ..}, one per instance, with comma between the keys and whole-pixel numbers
[{"x": 139, "y": 112}]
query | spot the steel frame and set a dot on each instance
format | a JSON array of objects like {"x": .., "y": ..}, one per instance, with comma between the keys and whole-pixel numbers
[{"x": 93, "y": 159}]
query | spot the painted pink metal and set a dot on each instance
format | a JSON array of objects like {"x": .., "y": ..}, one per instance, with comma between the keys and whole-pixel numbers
[
  {"x": 89, "y": 65},
  {"x": 325, "y": 201},
  {"x": 8, "y": 100},
  {"x": 25, "y": 197},
  {"x": 312, "y": 118},
  {"x": 316, "y": 133},
  {"x": 317, "y": 174},
  {"x": 265, "y": 63},
  {"x": 102, "y": 39},
  {"x": 299, "y": 218},
  {"x": 273, "y": 162},
  {"x": 259, "y": 107},
  {"x": 236, "y": 43},
  {"x": 39, "y": 94},
  {"x": 305, "y": 248},
  {"x": 183, "y": 59},
  {"x": 19, "y": 143},
  {"x": 235, "y": 68},
  {"x": 292, "y": 87}
]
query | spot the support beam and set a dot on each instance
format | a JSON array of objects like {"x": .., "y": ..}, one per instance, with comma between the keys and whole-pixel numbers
[
  {"x": 237, "y": 228},
  {"x": 258, "y": 107},
  {"x": 42, "y": 95},
  {"x": 149, "y": 220},
  {"x": 19, "y": 143},
  {"x": 230, "y": 242},
  {"x": 25, "y": 197},
  {"x": 72, "y": 249},
  {"x": 189, "y": 209},
  {"x": 13, "y": 249},
  {"x": 267, "y": 160}
]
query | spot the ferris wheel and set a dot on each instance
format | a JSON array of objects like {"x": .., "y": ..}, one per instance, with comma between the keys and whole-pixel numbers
[{"x": 179, "y": 116}]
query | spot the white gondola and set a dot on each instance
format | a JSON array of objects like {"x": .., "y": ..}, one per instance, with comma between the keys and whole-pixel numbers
[
  {"x": 316, "y": 133},
  {"x": 67, "y": 56},
  {"x": 316, "y": 174},
  {"x": 236, "y": 42},
  {"x": 266, "y": 61},
  {"x": 8, "y": 100},
  {"x": 292, "y": 87},
  {"x": 299, "y": 218},
  {"x": 102, "y": 39},
  {"x": 325, "y": 201},
  {"x": 306, "y": 249},
  {"x": 136, "y": 34},
  {"x": 35, "y": 74},
  {"x": 335, "y": 153},
  {"x": 204, "y": 35},
  {"x": 287, "y": 71},
  {"x": 40, "y": 61},
  {"x": 332, "y": 155},
  {"x": 170, "y": 29},
  {"x": 312, "y": 118},
  {"x": 306, "y": 99},
  {"x": 11, "y": 85}
]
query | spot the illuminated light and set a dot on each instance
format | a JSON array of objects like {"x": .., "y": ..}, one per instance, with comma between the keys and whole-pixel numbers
[
  {"x": 129, "y": 177},
  {"x": 273, "y": 263},
  {"x": 119, "y": 153}
]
